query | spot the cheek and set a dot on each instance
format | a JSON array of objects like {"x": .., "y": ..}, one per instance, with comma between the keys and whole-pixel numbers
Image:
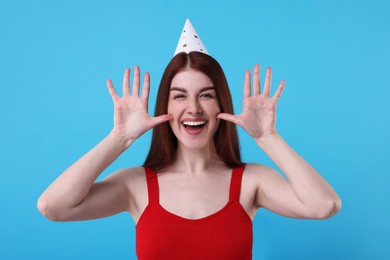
[
  {"x": 169, "y": 107},
  {"x": 175, "y": 111},
  {"x": 216, "y": 126},
  {"x": 214, "y": 109},
  {"x": 171, "y": 110}
]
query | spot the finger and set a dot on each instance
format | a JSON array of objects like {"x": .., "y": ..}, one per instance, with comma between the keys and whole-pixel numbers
[
  {"x": 267, "y": 83},
  {"x": 126, "y": 84},
  {"x": 160, "y": 119},
  {"x": 112, "y": 91},
  {"x": 230, "y": 118},
  {"x": 256, "y": 79},
  {"x": 247, "y": 84},
  {"x": 146, "y": 86},
  {"x": 279, "y": 91},
  {"x": 136, "y": 81}
]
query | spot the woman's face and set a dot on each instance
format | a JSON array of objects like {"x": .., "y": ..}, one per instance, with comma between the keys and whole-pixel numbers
[{"x": 194, "y": 105}]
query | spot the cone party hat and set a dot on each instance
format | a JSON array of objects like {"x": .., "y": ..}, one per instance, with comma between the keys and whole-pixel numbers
[{"x": 190, "y": 40}]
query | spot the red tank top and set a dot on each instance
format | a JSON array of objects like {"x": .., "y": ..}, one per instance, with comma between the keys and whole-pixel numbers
[{"x": 226, "y": 234}]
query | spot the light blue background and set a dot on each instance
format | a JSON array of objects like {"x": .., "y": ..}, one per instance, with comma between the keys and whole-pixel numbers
[{"x": 54, "y": 106}]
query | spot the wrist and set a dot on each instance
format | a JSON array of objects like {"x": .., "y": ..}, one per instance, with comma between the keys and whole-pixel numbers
[
  {"x": 121, "y": 139},
  {"x": 267, "y": 139}
]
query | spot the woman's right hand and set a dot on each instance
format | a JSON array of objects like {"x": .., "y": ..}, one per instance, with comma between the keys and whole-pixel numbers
[{"x": 131, "y": 118}]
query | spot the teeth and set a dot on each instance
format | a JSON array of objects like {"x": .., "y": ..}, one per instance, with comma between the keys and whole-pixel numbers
[{"x": 192, "y": 123}]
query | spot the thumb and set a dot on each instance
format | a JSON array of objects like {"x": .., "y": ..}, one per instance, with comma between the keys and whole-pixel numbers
[
  {"x": 229, "y": 117},
  {"x": 160, "y": 119}
]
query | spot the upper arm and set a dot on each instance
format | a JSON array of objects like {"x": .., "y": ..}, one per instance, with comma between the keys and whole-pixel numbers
[
  {"x": 276, "y": 194},
  {"x": 105, "y": 198}
]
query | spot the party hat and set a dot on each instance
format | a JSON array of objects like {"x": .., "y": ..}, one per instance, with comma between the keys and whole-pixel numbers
[{"x": 189, "y": 40}]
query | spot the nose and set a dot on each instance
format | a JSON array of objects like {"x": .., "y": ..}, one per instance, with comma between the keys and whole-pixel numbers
[{"x": 194, "y": 107}]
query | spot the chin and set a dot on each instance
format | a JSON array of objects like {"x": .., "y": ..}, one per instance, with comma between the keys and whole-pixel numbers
[{"x": 195, "y": 145}]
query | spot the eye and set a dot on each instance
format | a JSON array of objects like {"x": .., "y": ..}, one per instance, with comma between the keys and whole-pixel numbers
[
  {"x": 207, "y": 95},
  {"x": 178, "y": 96}
]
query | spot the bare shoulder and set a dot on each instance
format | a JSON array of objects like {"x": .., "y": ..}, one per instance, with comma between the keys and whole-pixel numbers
[
  {"x": 251, "y": 181},
  {"x": 135, "y": 180},
  {"x": 262, "y": 175},
  {"x": 256, "y": 167},
  {"x": 254, "y": 175},
  {"x": 254, "y": 178},
  {"x": 256, "y": 172},
  {"x": 128, "y": 176},
  {"x": 131, "y": 174}
]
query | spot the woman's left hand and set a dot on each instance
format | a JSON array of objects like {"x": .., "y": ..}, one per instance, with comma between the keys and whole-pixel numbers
[{"x": 258, "y": 116}]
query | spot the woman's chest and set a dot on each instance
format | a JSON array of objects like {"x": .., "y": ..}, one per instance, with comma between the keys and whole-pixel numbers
[
  {"x": 194, "y": 199},
  {"x": 197, "y": 198}
]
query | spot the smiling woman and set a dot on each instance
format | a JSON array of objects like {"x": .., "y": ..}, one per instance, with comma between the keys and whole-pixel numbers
[
  {"x": 193, "y": 198},
  {"x": 178, "y": 80}
]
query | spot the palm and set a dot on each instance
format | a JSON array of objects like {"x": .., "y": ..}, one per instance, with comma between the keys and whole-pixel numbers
[
  {"x": 131, "y": 118},
  {"x": 128, "y": 111},
  {"x": 258, "y": 116}
]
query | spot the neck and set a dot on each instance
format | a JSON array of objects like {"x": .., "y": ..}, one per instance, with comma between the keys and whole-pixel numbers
[{"x": 195, "y": 162}]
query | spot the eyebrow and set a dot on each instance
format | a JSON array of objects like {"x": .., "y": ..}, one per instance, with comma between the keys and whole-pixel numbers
[{"x": 185, "y": 91}]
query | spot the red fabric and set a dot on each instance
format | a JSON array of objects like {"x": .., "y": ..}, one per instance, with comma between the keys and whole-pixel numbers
[{"x": 226, "y": 234}]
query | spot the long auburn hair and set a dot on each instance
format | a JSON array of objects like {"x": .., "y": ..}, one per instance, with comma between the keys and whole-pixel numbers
[{"x": 164, "y": 143}]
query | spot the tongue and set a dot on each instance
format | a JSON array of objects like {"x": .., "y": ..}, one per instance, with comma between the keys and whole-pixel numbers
[{"x": 194, "y": 126}]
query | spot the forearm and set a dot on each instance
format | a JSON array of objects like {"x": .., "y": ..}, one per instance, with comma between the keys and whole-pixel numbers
[
  {"x": 74, "y": 183},
  {"x": 308, "y": 185}
]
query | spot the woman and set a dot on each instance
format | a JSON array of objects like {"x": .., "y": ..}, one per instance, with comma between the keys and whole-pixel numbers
[{"x": 193, "y": 198}]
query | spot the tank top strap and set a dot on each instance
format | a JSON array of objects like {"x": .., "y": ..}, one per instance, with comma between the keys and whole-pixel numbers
[
  {"x": 235, "y": 183},
  {"x": 152, "y": 182}
]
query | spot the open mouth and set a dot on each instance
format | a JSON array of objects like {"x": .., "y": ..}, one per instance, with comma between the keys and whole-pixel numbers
[{"x": 194, "y": 124}]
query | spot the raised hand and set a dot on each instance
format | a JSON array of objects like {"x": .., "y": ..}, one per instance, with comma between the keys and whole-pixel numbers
[
  {"x": 131, "y": 118},
  {"x": 258, "y": 116}
]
